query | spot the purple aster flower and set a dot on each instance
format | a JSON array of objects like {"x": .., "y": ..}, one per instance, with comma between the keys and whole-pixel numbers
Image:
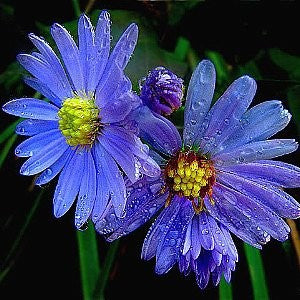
[
  {"x": 162, "y": 91},
  {"x": 83, "y": 133},
  {"x": 219, "y": 178}
]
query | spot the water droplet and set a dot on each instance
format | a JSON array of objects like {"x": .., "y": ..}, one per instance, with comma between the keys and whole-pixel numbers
[{"x": 205, "y": 231}]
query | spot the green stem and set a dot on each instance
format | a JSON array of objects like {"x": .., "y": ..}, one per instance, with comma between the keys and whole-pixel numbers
[
  {"x": 76, "y": 8},
  {"x": 8, "y": 131},
  {"x": 109, "y": 259},
  {"x": 257, "y": 274},
  {"x": 225, "y": 292},
  {"x": 89, "y": 260}
]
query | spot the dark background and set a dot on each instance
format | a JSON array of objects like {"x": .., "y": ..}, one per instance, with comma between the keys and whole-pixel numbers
[{"x": 46, "y": 262}]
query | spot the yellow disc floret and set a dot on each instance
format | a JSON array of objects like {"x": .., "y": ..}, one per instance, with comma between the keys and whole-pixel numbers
[
  {"x": 78, "y": 121},
  {"x": 190, "y": 175}
]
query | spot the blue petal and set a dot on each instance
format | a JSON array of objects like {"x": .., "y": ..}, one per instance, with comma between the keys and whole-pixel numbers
[
  {"x": 42, "y": 71},
  {"x": 116, "y": 110},
  {"x": 188, "y": 240},
  {"x": 31, "y": 108},
  {"x": 258, "y": 214},
  {"x": 53, "y": 170},
  {"x": 276, "y": 173},
  {"x": 159, "y": 229},
  {"x": 44, "y": 158},
  {"x": 226, "y": 113},
  {"x": 53, "y": 62},
  {"x": 277, "y": 200},
  {"x": 115, "y": 181},
  {"x": 103, "y": 186},
  {"x": 70, "y": 55},
  {"x": 127, "y": 141},
  {"x": 87, "y": 191},
  {"x": 34, "y": 144},
  {"x": 32, "y": 127},
  {"x": 196, "y": 238},
  {"x": 255, "y": 151},
  {"x": 168, "y": 249},
  {"x": 68, "y": 184},
  {"x": 232, "y": 251},
  {"x": 205, "y": 233},
  {"x": 158, "y": 133},
  {"x": 37, "y": 85},
  {"x": 113, "y": 73},
  {"x": 259, "y": 123},
  {"x": 198, "y": 100},
  {"x": 144, "y": 199}
]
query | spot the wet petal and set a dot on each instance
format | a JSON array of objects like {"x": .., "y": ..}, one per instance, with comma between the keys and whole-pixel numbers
[
  {"x": 205, "y": 233},
  {"x": 31, "y": 108},
  {"x": 198, "y": 100},
  {"x": 32, "y": 127}
]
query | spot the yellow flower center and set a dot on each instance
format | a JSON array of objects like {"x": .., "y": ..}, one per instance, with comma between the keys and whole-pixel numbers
[
  {"x": 191, "y": 175},
  {"x": 78, "y": 121}
]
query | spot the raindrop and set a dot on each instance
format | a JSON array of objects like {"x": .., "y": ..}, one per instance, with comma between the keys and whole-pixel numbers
[{"x": 205, "y": 231}]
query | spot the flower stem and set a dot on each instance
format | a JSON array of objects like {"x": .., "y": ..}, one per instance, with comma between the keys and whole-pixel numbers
[{"x": 76, "y": 8}]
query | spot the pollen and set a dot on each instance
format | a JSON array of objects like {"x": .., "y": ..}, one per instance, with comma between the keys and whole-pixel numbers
[
  {"x": 190, "y": 175},
  {"x": 78, "y": 121}
]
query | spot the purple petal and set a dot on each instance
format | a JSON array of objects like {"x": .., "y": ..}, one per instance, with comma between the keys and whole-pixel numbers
[
  {"x": 34, "y": 144},
  {"x": 226, "y": 113},
  {"x": 280, "y": 202},
  {"x": 257, "y": 214},
  {"x": 32, "y": 127},
  {"x": 115, "y": 180},
  {"x": 157, "y": 132},
  {"x": 68, "y": 184},
  {"x": 53, "y": 62},
  {"x": 255, "y": 151},
  {"x": 53, "y": 170},
  {"x": 44, "y": 73},
  {"x": 188, "y": 240},
  {"x": 198, "y": 100},
  {"x": 159, "y": 229},
  {"x": 87, "y": 191},
  {"x": 31, "y": 108},
  {"x": 259, "y": 123},
  {"x": 196, "y": 238},
  {"x": 44, "y": 158},
  {"x": 37, "y": 85},
  {"x": 144, "y": 199},
  {"x": 232, "y": 251},
  {"x": 169, "y": 247},
  {"x": 205, "y": 233},
  {"x": 70, "y": 55},
  {"x": 273, "y": 172}
]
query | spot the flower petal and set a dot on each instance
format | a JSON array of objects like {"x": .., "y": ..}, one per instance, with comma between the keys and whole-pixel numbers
[
  {"x": 196, "y": 238},
  {"x": 168, "y": 249},
  {"x": 198, "y": 100},
  {"x": 34, "y": 144},
  {"x": 259, "y": 123},
  {"x": 44, "y": 158},
  {"x": 274, "y": 172},
  {"x": 70, "y": 55},
  {"x": 32, "y": 127},
  {"x": 159, "y": 229},
  {"x": 144, "y": 199},
  {"x": 157, "y": 132},
  {"x": 226, "y": 113},
  {"x": 68, "y": 184},
  {"x": 255, "y": 151},
  {"x": 44, "y": 73},
  {"x": 53, "y": 170},
  {"x": 280, "y": 202},
  {"x": 87, "y": 191},
  {"x": 205, "y": 233},
  {"x": 31, "y": 108},
  {"x": 53, "y": 62}
]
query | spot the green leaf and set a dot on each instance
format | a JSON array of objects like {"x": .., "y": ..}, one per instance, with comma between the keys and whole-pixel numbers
[
  {"x": 8, "y": 131},
  {"x": 89, "y": 260},
  {"x": 225, "y": 292},
  {"x": 286, "y": 61},
  {"x": 5, "y": 150},
  {"x": 257, "y": 273}
]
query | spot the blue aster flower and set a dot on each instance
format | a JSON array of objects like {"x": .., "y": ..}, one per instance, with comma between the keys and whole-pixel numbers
[
  {"x": 218, "y": 178},
  {"x": 83, "y": 133}
]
